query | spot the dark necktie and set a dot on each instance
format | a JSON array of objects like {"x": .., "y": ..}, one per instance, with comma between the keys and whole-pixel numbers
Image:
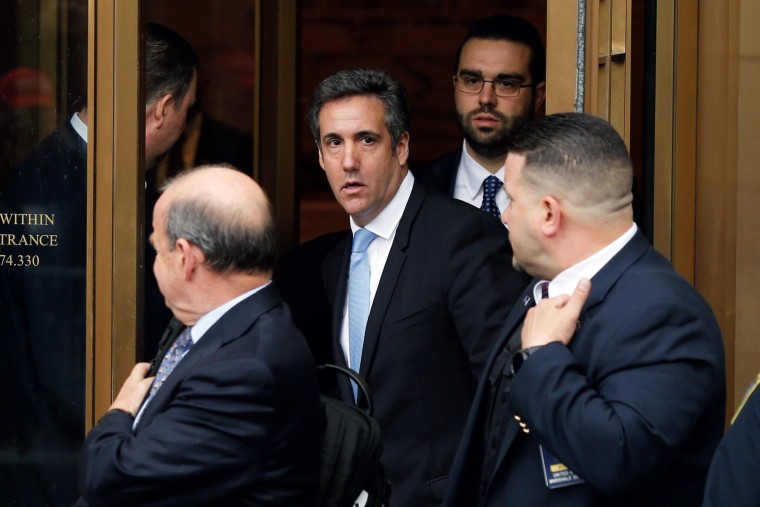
[
  {"x": 491, "y": 185},
  {"x": 544, "y": 286}
]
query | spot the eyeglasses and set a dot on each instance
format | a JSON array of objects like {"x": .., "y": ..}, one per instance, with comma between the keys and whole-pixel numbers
[{"x": 501, "y": 87}]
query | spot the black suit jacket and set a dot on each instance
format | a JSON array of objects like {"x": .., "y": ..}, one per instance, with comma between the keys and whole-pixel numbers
[
  {"x": 445, "y": 290},
  {"x": 440, "y": 175},
  {"x": 236, "y": 423},
  {"x": 634, "y": 405}
]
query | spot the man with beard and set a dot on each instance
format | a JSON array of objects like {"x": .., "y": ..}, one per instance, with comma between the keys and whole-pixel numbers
[{"x": 498, "y": 87}]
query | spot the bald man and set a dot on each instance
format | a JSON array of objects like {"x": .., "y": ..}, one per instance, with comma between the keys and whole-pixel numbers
[{"x": 229, "y": 418}]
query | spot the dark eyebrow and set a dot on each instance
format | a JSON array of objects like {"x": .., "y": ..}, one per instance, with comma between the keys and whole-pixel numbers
[
  {"x": 507, "y": 75},
  {"x": 512, "y": 75},
  {"x": 330, "y": 135},
  {"x": 470, "y": 72}
]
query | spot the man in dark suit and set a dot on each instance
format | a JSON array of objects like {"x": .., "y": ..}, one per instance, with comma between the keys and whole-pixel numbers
[
  {"x": 498, "y": 86},
  {"x": 733, "y": 476},
  {"x": 419, "y": 318},
  {"x": 232, "y": 415},
  {"x": 613, "y": 396},
  {"x": 42, "y": 303}
]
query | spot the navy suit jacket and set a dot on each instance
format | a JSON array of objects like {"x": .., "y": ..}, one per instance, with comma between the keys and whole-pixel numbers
[
  {"x": 440, "y": 175},
  {"x": 238, "y": 422},
  {"x": 733, "y": 478},
  {"x": 445, "y": 291},
  {"x": 634, "y": 405}
]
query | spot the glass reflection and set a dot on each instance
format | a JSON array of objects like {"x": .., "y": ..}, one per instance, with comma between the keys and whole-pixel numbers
[{"x": 42, "y": 250}]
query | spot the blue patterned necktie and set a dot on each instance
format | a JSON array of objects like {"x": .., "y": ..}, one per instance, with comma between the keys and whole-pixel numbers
[
  {"x": 173, "y": 356},
  {"x": 491, "y": 185},
  {"x": 358, "y": 298}
]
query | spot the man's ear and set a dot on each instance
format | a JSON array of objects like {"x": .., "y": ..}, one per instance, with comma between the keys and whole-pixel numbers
[
  {"x": 191, "y": 257},
  {"x": 402, "y": 148},
  {"x": 552, "y": 217},
  {"x": 539, "y": 94},
  {"x": 159, "y": 110}
]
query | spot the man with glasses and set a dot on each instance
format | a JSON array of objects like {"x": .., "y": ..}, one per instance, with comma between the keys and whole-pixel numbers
[{"x": 498, "y": 87}]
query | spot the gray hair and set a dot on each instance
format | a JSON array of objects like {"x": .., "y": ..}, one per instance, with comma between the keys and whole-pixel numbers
[
  {"x": 368, "y": 82},
  {"x": 228, "y": 241}
]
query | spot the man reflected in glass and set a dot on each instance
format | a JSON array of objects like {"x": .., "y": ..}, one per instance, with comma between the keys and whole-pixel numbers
[{"x": 43, "y": 220}]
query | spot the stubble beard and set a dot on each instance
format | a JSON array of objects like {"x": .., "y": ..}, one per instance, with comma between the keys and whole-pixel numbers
[{"x": 492, "y": 143}]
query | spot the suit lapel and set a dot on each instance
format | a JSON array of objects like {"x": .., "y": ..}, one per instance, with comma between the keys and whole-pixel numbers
[
  {"x": 336, "y": 284},
  {"x": 510, "y": 338},
  {"x": 390, "y": 276},
  {"x": 608, "y": 276},
  {"x": 335, "y": 277},
  {"x": 601, "y": 284},
  {"x": 472, "y": 438},
  {"x": 447, "y": 170},
  {"x": 452, "y": 170},
  {"x": 233, "y": 324}
]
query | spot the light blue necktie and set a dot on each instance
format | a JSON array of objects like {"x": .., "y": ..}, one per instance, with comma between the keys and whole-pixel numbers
[
  {"x": 358, "y": 298},
  {"x": 491, "y": 185}
]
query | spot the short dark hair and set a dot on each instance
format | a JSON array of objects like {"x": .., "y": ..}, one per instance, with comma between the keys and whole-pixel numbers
[
  {"x": 576, "y": 151},
  {"x": 514, "y": 29},
  {"x": 229, "y": 243},
  {"x": 169, "y": 64},
  {"x": 356, "y": 82}
]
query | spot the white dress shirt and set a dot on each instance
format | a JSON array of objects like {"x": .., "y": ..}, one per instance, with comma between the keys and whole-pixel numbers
[
  {"x": 79, "y": 126},
  {"x": 469, "y": 182},
  {"x": 384, "y": 226},
  {"x": 566, "y": 281}
]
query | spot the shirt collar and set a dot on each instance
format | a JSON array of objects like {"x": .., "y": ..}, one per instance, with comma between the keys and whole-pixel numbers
[
  {"x": 565, "y": 282},
  {"x": 385, "y": 223},
  {"x": 209, "y": 319},
  {"x": 79, "y": 126},
  {"x": 473, "y": 174}
]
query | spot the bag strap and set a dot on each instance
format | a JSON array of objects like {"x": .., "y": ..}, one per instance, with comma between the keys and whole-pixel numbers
[{"x": 363, "y": 386}]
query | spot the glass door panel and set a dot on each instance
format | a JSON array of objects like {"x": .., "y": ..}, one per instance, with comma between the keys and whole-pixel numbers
[{"x": 43, "y": 250}]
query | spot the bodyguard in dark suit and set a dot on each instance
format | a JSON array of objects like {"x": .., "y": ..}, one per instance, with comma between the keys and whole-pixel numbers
[
  {"x": 611, "y": 396},
  {"x": 437, "y": 284},
  {"x": 498, "y": 85},
  {"x": 232, "y": 415},
  {"x": 733, "y": 476}
]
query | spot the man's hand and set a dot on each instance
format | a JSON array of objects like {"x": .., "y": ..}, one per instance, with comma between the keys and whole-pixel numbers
[
  {"x": 555, "y": 319},
  {"x": 134, "y": 390}
]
